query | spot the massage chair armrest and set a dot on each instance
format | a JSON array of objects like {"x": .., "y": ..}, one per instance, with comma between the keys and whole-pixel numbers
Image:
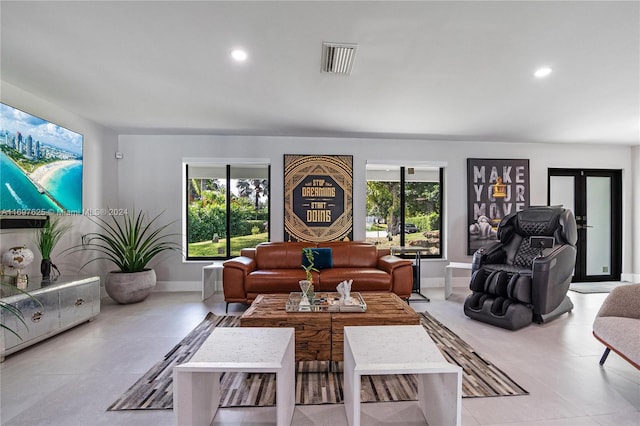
[
  {"x": 550, "y": 279},
  {"x": 491, "y": 253}
]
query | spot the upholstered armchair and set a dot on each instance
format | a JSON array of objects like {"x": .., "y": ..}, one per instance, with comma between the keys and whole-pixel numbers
[
  {"x": 524, "y": 277},
  {"x": 617, "y": 324}
]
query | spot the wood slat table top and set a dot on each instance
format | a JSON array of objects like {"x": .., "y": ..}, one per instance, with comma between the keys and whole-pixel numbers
[{"x": 379, "y": 304}]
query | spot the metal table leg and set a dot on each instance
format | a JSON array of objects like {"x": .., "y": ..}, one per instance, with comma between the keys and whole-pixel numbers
[{"x": 416, "y": 282}]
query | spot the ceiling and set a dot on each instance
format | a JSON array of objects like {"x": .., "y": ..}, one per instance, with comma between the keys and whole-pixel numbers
[{"x": 449, "y": 70}]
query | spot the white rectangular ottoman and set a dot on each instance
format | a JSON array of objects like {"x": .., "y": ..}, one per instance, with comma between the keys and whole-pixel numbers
[
  {"x": 196, "y": 383},
  {"x": 402, "y": 349}
]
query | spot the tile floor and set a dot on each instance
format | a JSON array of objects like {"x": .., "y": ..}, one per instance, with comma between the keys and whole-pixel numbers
[{"x": 72, "y": 378}]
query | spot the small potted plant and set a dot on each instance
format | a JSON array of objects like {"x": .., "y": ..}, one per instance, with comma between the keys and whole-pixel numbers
[
  {"x": 130, "y": 242},
  {"x": 46, "y": 239},
  {"x": 308, "y": 266}
]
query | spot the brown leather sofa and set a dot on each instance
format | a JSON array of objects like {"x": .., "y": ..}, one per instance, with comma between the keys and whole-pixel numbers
[{"x": 276, "y": 267}]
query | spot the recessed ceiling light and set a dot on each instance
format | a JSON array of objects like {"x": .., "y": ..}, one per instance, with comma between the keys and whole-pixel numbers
[
  {"x": 542, "y": 72},
  {"x": 239, "y": 55}
]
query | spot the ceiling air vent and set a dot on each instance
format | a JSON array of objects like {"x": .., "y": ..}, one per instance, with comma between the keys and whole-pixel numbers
[{"x": 337, "y": 58}]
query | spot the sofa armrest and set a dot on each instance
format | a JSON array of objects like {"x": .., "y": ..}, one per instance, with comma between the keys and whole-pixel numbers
[
  {"x": 623, "y": 301},
  {"x": 401, "y": 271},
  {"x": 249, "y": 252},
  {"x": 384, "y": 252},
  {"x": 234, "y": 272},
  {"x": 244, "y": 263},
  {"x": 390, "y": 262}
]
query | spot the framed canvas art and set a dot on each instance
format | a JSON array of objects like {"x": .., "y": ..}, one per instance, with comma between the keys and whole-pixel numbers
[
  {"x": 495, "y": 188},
  {"x": 318, "y": 198}
]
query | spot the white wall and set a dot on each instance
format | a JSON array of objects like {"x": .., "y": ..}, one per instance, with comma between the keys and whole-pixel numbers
[
  {"x": 634, "y": 226},
  {"x": 99, "y": 177},
  {"x": 149, "y": 177}
]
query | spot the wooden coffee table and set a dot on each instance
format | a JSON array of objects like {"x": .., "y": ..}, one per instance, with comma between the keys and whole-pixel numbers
[{"x": 320, "y": 335}]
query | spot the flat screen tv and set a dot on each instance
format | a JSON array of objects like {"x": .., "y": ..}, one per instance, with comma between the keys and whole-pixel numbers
[{"x": 40, "y": 164}]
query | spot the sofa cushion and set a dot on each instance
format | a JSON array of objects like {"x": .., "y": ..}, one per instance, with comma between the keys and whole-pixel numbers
[
  {"x": 352, "y": 254},
  {"x": 279, "y": 256},
  {"x": 274, "y": 280},
  {"x": 322, "y": 258},
  {"x": 364, "y": 279}
]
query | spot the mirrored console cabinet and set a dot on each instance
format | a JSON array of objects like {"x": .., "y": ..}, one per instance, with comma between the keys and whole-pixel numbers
[{"x": 50, "y": 307}]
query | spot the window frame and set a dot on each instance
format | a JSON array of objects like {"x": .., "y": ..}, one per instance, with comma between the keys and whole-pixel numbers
[
  {"x": 402, "y": 169},
  {"x": 228, "y": 165}
]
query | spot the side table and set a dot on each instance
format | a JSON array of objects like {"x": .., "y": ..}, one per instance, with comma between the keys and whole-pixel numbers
[
  {"x": 196, "y": 383},
  {"x": 416, "y": 251},
  {"x": 373, "y": 350},
  {"x": 448, "y": 278},
  {"x": 211, "y": 276}
]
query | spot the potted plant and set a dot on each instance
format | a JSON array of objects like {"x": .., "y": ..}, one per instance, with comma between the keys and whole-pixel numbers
[
  {"x": 308, "y": 266},
  {"x": 46, "y": 239},
  {"x": 130, "y": 242}
]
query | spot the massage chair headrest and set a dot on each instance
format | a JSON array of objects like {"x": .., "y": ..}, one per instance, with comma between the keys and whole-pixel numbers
[{"x": 543, "y": 221}]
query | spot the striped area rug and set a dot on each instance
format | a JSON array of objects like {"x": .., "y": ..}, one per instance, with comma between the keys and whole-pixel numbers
[{"x": 317, "y": 382}]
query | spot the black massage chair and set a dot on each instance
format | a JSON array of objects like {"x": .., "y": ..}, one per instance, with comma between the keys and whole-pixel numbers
[{"x": 524, "y": 277}]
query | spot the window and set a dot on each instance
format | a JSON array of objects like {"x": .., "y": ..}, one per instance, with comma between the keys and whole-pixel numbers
[
  {"x": 227, "y": 209},
  {"x": 404, "y": 207}
]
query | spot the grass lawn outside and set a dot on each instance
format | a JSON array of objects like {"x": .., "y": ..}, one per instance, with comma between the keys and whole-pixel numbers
[
  {"x": 211, "y": 249},
  {"x": 417, "y": 239}
]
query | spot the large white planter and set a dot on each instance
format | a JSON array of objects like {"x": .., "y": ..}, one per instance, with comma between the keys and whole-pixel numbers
[{"x": 130, "y": 287}]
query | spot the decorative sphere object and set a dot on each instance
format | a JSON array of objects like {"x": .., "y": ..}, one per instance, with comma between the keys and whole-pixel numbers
[{"x": 17, "y": 257}]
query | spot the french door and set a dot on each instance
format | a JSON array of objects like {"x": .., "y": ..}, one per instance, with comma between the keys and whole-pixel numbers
[{"x": 595, "y": 196}]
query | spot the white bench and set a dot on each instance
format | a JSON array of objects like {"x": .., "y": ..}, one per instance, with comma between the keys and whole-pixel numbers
[
  {"x": 402, "y": 349},
  {"x": 196, "y": 383}
]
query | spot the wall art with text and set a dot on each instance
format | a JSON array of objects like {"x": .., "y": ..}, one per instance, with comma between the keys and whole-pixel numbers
[{"x": 318, "y": 198}]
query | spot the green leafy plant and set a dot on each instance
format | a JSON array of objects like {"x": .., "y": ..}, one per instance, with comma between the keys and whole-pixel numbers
[
  {"x": 49, "y": 235},
  {"x": 310, "y": 266},
  {"x": 128, "y": 241}
]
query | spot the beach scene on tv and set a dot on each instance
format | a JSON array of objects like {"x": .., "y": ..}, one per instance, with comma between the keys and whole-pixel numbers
[{"x": 41, "y": 165}]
